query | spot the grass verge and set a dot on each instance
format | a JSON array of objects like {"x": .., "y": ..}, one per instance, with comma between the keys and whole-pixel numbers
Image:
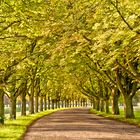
[
  {"x": 120, "y": 117},
  {"x": 14, "y": 129}
]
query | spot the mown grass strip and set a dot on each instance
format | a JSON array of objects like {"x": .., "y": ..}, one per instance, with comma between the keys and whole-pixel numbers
[
  {"x": 120, "y": 117},
  {"x": 14, "y": 129}
]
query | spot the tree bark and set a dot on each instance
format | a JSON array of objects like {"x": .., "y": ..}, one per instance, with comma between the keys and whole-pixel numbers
[
  {"x": 128, "y": 89},
  {"x": 49, "y": 103},
  {"x": 58, "y": 102},
  {"x": 69, "y": 103},
  {"x": 13, "y": 108},
  {"x": 62, "y": 103},
  {"x": 107, "y": 106},
  {"x": 31, "y": 107},
  {"x": 115, "y": 99},
  {"x": 41, "y": 103},
  {"x": 97, "y": 104},
  {"x": 81, "y": 103},
  {"x": 31, "y": 104},
  {"x": 52, "y": 103},
  {"x": 102, "y": 106},
  {"x": 36, "y": 103},
  {"x": 45, "y": 103},
  {"x": 73, "y": 103},
  {"x": 76, "y": 103},
  {"x": 128, "y": 107},
  {"x": 23, "y": 102},
  {"x": 1, "y": 106}
]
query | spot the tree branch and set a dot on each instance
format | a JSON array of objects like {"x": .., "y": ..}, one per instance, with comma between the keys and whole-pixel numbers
[{"x": 6, "y": 27}]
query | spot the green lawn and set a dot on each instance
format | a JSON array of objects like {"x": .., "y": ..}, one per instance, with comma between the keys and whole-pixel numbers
[
  {"x": 14, "y": 129},
  {"x": 120, "y": 117}
]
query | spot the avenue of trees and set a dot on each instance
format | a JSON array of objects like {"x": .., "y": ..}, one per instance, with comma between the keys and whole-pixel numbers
[{"x": 67, "y": 52}]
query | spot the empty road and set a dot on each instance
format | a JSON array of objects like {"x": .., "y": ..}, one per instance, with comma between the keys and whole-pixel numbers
[{"x": 79, "y": 124}]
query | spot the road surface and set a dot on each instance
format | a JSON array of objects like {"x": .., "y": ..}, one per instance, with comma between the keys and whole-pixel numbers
[{"x": 79, "y": 124}]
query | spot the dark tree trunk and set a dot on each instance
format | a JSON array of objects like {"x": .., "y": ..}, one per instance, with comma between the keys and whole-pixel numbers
[
  {"x": 36, "y": 103},
  {"x": 97, "y": 104},
  {"x": 128, "y": 107},
  {"x": 45, "y": 103},
  {"x": 52, "y": 103},
  {"x": 49, "y": 103},
  {"x": 81, "y": 103},
  {"x": 73, "y": 103},
  {"x": 115, "y": 104},
  {"x": 69, "y": 103},
  {"x": 41, "y": 103},
  {"x": 23, "y": 102},
  {"x": 65, "y": 104},
  {"x": 31, "y": 104},
  {"x": 58, "y": 102},
  {"x": 107, "y": 106},
  {"x": 13, "y": 108},
  {"x": 62, "y": 103},
  {"x": 86, "y": 103},
  {"x": 31, "y": 107},
  {"x": 1, "y": 106},
  {"x": 76, "y": 103},
  {"x": 102, "y": 106}
]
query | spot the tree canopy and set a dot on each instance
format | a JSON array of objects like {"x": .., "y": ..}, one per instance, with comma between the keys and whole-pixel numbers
[{"x": 70, "y": 49}]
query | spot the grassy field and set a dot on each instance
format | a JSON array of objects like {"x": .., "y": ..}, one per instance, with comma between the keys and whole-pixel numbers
[
  {"x": 120, "y": 117},
  {"x": 14, "y": 129}
]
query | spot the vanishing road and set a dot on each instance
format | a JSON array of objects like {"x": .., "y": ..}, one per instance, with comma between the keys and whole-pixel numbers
[{"x": 79, "y": 124}]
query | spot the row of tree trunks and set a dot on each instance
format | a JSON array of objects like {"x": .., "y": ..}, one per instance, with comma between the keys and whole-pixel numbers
[{"x": 100, "y": 105}]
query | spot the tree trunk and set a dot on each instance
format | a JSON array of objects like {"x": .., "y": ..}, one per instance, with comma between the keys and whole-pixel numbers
[
  {"x": 73, "y": 103},
  {"x": 115, "y": 99},
  {"x": 102, "y": 106},
  {"x": 23, "y": 102},
  {"x": 97, "y": 104},
  {"x": 31, "y": 108},
  {"x": 62, "y": 103},
  {"x": 128, "y": 107},
  {"x": 36, "y": 103},
  {"x": 31, "y": 104},
  {"x": 107, "y": 106},
  {"x": 76, "y": 103},
  {"x": 13, "y": 108},
  {"x": 45, "y": 103},
  {"x": 81, "y": 103},
  {"x": 128, "y": 89},
  {"x": 58, "y": 102},
  {"x": 41, "y": 103},
  {"x": 86, "y": 102},
  {"x": 52, "y": 103},
  {"x": 49, "y": 103},
  {"x": 70, "y": 103},
  {"x": 1, "y": 107}
]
